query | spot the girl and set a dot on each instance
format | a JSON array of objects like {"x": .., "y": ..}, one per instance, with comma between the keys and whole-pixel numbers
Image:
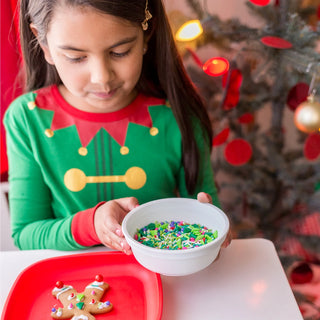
[{"x": 110, "y": 120}]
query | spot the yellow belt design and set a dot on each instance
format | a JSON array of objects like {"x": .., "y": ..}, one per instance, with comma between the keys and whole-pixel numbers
[{"x": 75, "y": 179}]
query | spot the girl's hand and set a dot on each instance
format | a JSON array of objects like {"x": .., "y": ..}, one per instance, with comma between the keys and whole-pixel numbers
[
  {"x": 107, "y": 222},
  {"x": 206, "y": 198}
]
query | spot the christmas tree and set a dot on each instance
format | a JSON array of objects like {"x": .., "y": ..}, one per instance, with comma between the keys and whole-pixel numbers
[{"x": 268, "y": 185}]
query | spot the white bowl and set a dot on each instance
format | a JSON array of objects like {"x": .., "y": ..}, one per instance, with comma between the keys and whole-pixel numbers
[{"x": 176, "y": 262}]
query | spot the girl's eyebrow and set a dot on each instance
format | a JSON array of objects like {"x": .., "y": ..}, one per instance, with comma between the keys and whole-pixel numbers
[{"x": 123, "y": 41}]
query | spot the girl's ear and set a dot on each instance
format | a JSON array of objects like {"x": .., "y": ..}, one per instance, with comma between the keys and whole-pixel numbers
[
  {"x": 43, "y": 46},
  {"x": 145, "y": 44},
  {"x": 147, "y": 36}
]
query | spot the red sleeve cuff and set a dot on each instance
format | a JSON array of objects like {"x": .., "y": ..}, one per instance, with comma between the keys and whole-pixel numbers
[{"x": 82, "y": 227}]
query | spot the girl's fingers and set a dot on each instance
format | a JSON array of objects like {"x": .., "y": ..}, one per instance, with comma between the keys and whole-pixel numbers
[
  {"x": 119, "y": 232},
  {"x": 115, "y": 242},
  {"x": 112, "y": 235},
  {"x": 108, "y": 219},
  {"x": 228, "y": 240},
  {"x": 126, "y": 204},
  {"x": 204, "y": 197}
]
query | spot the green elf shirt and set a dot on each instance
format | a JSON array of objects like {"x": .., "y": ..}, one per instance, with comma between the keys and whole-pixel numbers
[{"x": 64, "y": 162}]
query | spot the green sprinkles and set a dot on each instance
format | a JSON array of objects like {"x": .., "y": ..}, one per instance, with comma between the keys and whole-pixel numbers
[{"x": 174, "y": 235}]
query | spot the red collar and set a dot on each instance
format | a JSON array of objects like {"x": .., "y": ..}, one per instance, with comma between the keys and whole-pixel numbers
[{"x": 88, "y": 124}]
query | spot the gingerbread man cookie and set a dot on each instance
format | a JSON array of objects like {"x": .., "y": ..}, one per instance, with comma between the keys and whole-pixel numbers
[{"x": 81, "y": 306}]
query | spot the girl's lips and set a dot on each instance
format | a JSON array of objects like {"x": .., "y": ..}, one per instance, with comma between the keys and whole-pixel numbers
[{"x": 104, "y": 95}]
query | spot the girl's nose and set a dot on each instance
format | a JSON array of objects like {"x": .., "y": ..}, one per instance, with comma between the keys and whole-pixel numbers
[{"x": 101, "y": 71}]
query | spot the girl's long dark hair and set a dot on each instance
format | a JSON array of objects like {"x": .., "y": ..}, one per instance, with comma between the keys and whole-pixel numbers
[{"x": 163, "y": 73}]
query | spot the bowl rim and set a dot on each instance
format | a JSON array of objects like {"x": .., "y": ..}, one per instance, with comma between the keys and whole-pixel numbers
[{"x": 218, "y": 240}]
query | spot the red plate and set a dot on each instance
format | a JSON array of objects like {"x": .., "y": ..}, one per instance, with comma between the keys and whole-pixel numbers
[{"x": 135, "y": 292}]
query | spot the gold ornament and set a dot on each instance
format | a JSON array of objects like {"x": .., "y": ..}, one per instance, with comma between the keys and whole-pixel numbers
[{"x": 307, "y": 115}]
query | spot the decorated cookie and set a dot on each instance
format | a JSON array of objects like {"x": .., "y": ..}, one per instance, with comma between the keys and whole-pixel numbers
[{"x": 81, "y": 306}]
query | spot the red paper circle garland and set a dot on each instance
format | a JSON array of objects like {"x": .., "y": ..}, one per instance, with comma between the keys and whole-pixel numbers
[
  {"x": 246, "y": 118},
  {"x": 221, "y": 137},
  {"x": 260, "y": 2},
  {"x": 311, "y": 148},
  {"x": 238, "y": 152},
  {"x": 276, "y": 42}
]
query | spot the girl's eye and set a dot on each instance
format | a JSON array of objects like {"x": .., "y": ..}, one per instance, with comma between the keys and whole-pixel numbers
[
  {"x": 75, "y": 60},
  {"x": 120, "y": 54}
]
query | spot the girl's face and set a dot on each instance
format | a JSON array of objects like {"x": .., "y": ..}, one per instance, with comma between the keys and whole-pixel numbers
[{"x": 98, "y": 57}]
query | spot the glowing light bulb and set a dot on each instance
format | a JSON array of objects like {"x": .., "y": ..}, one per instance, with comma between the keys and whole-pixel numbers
[
  {"x": 216, "y": 66},
  {"x": 189, "y": 31}
]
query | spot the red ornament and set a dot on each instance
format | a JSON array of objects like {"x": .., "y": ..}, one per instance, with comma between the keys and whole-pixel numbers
[
  {"x": 311, "y": 148},
  {"x": 301, "y": 274},
  {"x": 232, "y": 82},
  {"x": 216, "y": 66},
  {"x": 276, "y": 42},
  {"x": 297, "y": 95},
  {"x": 221, "y": 137},
  {"x": 99, "y": 278},
  {"x": 238, "y": 152},
  {"x": 59, "y": 284},
  {"x": 260, "y": 2},
  {"x": 246, "y": 118}
]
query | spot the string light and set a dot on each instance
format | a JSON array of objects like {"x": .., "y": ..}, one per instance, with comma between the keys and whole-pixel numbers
[
  {"x": 216, "y": 66},
  {"x": 189, "y": 31}
]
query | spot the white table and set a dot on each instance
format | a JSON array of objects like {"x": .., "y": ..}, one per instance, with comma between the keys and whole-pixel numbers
[{"x": 247, "y": 282}]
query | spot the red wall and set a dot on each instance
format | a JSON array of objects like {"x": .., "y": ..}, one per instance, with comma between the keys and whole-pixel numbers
[{"x": 10, "y": 57}]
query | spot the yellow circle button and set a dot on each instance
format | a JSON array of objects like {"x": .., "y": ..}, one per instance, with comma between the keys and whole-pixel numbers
[
  {"x": 83, "y": 151},
  {"x": 124, "y": 150},
  {"x": 154, "y": 131},
  {"x": 49, "y": 133},
  {"x": 31, "y": 105}
]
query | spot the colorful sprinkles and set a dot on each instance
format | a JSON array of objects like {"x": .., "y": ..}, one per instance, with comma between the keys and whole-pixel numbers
[{"x": 174, "y": 235}]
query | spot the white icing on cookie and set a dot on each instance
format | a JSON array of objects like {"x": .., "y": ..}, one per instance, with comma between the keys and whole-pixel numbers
[
  {"x": 81, "y": 317},
  {"x": 64, "y": 289},
  {"x": 95, "y": 285}
]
